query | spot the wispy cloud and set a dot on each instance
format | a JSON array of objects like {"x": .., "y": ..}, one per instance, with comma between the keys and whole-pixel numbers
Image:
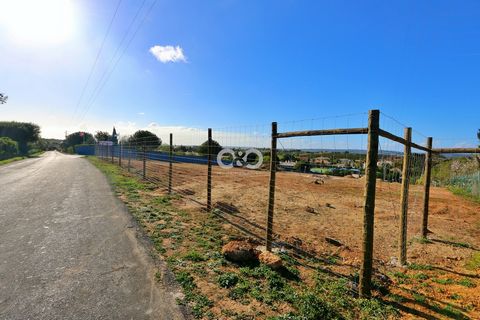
[
  {"x": 141, "y": 113},
  {"x": 166, "y": 54}
]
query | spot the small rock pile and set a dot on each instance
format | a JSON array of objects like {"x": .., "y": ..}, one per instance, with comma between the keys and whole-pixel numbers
[{"x": 245, "y": 251}]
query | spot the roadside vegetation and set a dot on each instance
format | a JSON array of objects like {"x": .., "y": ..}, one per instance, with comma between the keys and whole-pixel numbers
[
  {"x": 19, "y": 140},
  {"x": 10, "y": 160},
  {"x": 190, "y": 241},
  {"x": 461, "y": 175}
]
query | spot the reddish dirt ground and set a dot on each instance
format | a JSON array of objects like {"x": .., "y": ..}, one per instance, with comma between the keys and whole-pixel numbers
[{"x": 309, "y": 208}]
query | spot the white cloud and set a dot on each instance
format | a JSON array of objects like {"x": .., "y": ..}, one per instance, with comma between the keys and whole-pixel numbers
[
  {"x": 166, "y": 54},
  {"x": 141, "y": 113}
]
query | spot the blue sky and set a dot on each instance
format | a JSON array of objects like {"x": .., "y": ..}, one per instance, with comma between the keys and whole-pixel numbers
[{"x": 248, "y": 62}]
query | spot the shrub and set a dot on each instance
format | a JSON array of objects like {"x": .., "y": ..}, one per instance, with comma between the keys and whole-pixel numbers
[
  {"x": 8, "y": 148},
  {"x": 216, "y": 148},
  {"x": 21, "y": 132}
]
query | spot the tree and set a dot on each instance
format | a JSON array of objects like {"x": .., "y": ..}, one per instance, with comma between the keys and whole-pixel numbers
[
  {"x": 216, "y": 148},
  {"x": 22, "y": 132},
  {"x": 102, "y": 136},
  {"x": 3, "y": 98},
  {"x": 145, "y": 138},
  {"x": 76, "y": 138},
  {"x": 8, "y": 148}
]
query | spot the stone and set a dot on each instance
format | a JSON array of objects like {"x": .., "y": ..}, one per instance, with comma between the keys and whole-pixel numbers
[
  {"x": 239, "y": 251},
  {"x": 271, "y": 260}
]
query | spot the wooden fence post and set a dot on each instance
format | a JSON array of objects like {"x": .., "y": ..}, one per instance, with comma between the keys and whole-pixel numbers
[
  {"x": 209, "y": 172},
  {"x": 369, "y": 203},
  {"x": 120, "y": 154},
  {"x": 129, "y": 153},
  {"x": 271, "y": 192},
  {"x": 170, "y": 165},
  {"x": 426, "y": 186},
  {"x": 407, "y": 152},
  {"x": 144, "y": 173}
]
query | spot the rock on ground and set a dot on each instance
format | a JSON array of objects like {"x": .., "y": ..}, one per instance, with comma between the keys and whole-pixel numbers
[
  {"x": 269, "y": 259},
  {"x": 239, "y": 251}
]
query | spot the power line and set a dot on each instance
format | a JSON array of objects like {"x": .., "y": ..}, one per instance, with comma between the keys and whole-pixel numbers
[
  {"x": 107, "y": 73},
  {"x": 96, "y": 59}
]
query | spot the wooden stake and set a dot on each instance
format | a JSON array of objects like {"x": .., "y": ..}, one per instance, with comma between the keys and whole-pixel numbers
[
  {"x": 144, "y": 173},
  {"x": 369, "y": 204},
  {"x": 404, "y": 196},
  {"x": 129, "y": 153},
  {"x": 209, "y": 172},
  {"x": 426, "y": 187},
  {"x": 170, "y": 165},
  {"x": 271, "y": 194},
  {"x": 120, "y": 155}
]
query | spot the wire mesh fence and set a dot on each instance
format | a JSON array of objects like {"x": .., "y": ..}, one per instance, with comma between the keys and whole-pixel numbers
[
  {"x": 458, "y": 172},
  {"x": 307, "y": 185},
  {"x": 399, "y": 216},
  {"x": 319, "y": 186}
]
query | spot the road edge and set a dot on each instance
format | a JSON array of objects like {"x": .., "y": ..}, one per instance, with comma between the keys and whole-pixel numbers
[{"x": 167, "y": 281}]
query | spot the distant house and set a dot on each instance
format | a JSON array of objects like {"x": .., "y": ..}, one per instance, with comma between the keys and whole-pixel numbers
[
  {"x": 345, "y": 163},
  {"x": 304, "y": 157},
  {"x": 325, "y": 161}
]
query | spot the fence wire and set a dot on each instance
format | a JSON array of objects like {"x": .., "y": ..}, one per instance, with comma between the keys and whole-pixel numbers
[
  {"x": 319, "y": 187},
  {"x": 458, "y": 172}
]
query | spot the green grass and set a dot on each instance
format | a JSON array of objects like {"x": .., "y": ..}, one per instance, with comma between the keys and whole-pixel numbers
[
  {"x": 464, "y": 193},
  {"x": 416, "y": 266},
  {"x": 194, "y": 256},
  {"x": 227, "y": 280},
  {"x": 446, "y": 281},
  {"x": 7, "y": 161},
  {"x": 10, "y": 160},
  {"x": 473, "y": 263},
  {"x": 420, "y": 298},
  {"x": 455, "y": 296},
  {"x": 199, "y": 259},
  {"x": 466, "y": 283}
]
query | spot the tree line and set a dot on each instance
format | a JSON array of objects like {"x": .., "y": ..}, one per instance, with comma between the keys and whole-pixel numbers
[
  {"x": 140, "y": 139},
  {"x": 17, "y": 138}
]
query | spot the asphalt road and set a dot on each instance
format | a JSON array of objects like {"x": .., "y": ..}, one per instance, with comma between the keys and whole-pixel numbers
[{"x": 70, "y": 250}]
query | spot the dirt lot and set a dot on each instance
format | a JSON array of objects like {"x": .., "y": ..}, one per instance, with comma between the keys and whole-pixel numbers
[{"x": 310, "y": 208}]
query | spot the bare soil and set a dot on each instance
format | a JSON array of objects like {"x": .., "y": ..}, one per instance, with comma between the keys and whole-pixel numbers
[{"x": 308, "y": 212}]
